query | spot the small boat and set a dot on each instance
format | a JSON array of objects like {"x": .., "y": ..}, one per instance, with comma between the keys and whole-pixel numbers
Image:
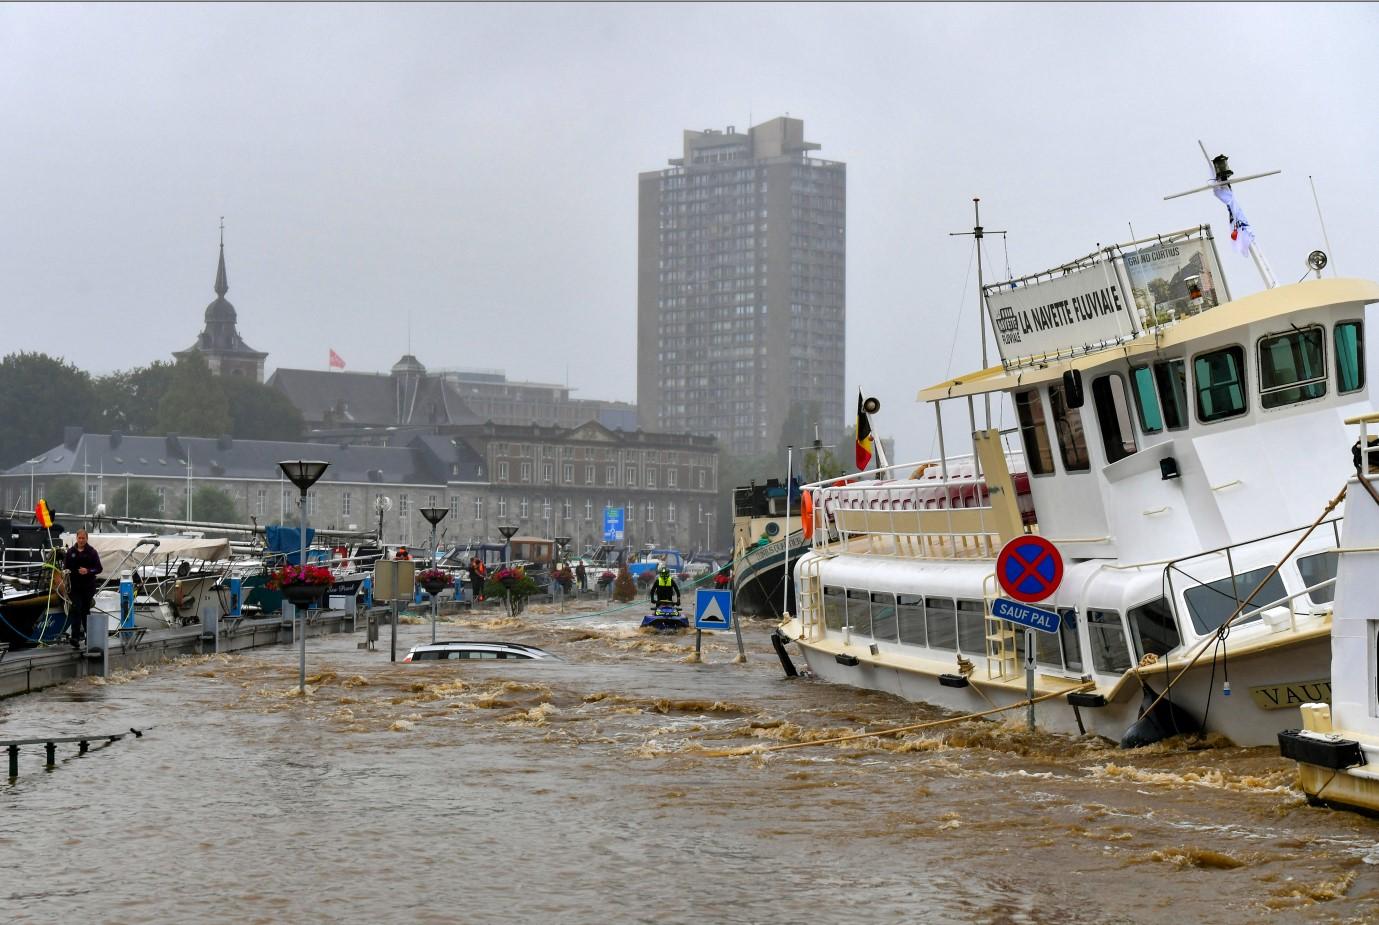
[{"x": 763, "y": 516}]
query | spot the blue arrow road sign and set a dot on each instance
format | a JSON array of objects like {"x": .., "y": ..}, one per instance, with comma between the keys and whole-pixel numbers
[
  {"x": 713, "y": 610},
  {"x": 1045, "y": 621}
]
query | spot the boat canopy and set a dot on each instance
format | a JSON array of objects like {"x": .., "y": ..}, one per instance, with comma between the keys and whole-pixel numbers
[{"x": 1271, "y": 303}]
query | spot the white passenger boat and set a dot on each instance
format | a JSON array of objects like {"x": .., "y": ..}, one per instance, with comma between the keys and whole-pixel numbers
[{"x": 1210, "y": 442}]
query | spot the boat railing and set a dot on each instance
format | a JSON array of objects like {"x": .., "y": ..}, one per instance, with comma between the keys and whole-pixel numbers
[{"x": 936, "y": 509}]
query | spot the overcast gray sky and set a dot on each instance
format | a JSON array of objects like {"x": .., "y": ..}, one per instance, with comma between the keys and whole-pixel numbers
[{"x": 474, "y": 166}]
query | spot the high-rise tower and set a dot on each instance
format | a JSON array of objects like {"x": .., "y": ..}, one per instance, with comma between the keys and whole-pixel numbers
[{"x": 741, "y": 288}]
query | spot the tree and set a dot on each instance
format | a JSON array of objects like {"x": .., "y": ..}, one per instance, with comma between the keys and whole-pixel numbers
[
  {"x": 64, "y": 496},
  {"x": 624, "y": 589},
  {"x": 212, "y": 505},
  {"x": 260, "y": 412},
  {"x": 39, "y": 397},
  {"x": 194, "y": 404},
  {"x": 142, "y": 502},
  {"x": 129, "y": 400}
]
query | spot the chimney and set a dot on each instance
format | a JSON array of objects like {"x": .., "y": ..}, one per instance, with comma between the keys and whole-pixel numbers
[
  {"x": 71, "y": 436},
  {"x": 224, "y": 442},
  {"x": 174, "y": 447},
  {"x": 115, "y": 439}
]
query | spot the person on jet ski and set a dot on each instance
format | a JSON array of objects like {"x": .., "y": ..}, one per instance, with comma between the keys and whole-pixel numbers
[{"x": 663, "y": 589}]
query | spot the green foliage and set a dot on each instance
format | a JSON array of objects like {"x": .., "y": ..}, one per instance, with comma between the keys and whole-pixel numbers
[
  {"x": 212, "y": 505},
  {"x": 194, "y": 404},
  {"x": 142, "y": 502},
  {"x": 64, "y": 496},
  {"x": 39, "y": 396},
  {"x": 624, "y": 588},
  {"x": 129, "y": 400},
  {"x": 260, "y": 412}
]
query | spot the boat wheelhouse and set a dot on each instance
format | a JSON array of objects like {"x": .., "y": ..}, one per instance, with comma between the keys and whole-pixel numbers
[{"x": 1174, "y": 444}]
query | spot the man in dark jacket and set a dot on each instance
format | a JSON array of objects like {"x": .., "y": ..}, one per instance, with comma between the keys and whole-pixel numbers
[{"x": 82, "y": 564}]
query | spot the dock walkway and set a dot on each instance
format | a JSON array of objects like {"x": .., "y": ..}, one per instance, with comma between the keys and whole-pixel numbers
[{"x": 25, "y": 670}]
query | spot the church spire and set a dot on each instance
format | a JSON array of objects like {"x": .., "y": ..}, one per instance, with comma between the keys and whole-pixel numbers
[{"x": 222, "y": 284}]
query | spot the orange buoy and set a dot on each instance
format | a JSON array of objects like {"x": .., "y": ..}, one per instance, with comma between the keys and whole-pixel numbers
[{"x": 807, "y": 514}]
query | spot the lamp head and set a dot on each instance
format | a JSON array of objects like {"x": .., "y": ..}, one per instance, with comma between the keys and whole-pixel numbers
[
  {"x": 508, "y": 530},
  {"x": 1316, "y": 261},
  {"x": 1223, "y": 172},
  {"x": 303, "y": 472},
  {"x": 434, "y": 515}
]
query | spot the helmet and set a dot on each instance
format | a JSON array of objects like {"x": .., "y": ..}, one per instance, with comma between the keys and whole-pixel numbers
[{"x": 665, "y": 570}]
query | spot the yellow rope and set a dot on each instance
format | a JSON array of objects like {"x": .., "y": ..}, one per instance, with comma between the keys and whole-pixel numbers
[{"x": 754, "y": 749}]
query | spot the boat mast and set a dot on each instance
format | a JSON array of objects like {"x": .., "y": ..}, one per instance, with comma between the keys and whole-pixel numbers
[
  {"x": 1221, "y": 179},
  {"x": 977, "y": 233}
]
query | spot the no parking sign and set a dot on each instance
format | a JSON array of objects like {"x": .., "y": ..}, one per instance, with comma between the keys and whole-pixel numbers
[{"x": 1029, "y": 569}]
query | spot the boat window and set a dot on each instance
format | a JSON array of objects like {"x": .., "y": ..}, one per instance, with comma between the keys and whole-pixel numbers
[
  {"x": 940, "y": 619},
  {"x": 833, "y": 608},
  {"x": 1292, "y": 367},
  {"x": 1047, "y": 650},
  {"x": 1113, "y": 416},
  {"x": 1067, "y": 635},
  {"x": 1033, "y": 433},
  {"x": 883, "y": 615},
  {"x": 859, "y": 611},
  {"x": 1314, "y": 570},
  {"x": 1067, "y": 423},
  {"x": 1220, "y": 380},
  {"x": 1146, "y": 402},
  {"x": 1153, "y": 629},
  {"x": 1105, "y": 632},
  {"x": 1171, "y": 378},
  {"x": 1212, "y": 604},
  {"x": 909, "y": 610},
  {"x": 972, "y": 627},
  {"x": 1350, "y": 356}
]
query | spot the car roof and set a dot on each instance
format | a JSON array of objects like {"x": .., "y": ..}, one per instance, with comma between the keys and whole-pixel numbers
[{"x": 478, "y": 644}]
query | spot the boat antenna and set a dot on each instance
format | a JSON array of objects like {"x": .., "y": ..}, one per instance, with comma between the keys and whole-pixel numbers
[
  {"x": 1321, "y": 221},
  {"x": 978, "y": 233},
  {"x": 1241, "y": 232}
]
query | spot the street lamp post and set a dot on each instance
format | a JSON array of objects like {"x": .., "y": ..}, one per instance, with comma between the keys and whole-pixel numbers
[
  {"x": 303, "y": 473},
  {"x": 433, "y": 515},
  {"x": 560, "y": 543}
]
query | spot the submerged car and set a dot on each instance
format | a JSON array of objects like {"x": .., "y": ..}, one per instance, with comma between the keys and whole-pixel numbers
[{"x": 444, "y": 651}]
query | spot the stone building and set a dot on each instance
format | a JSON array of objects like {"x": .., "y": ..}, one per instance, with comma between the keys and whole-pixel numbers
[
  {"x": 546, "y": 481},
  {"x": 224, "y": 350},
  {"x": 741, "y": 253}
]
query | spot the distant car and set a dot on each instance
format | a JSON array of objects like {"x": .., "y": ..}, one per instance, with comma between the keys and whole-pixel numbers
[{"x": 446, "y": 651}]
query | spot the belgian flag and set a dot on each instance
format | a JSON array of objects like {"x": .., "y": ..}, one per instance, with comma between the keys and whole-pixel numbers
[
  {"x": 864, "y": 439},
  {"x": 42, "y": 516}
]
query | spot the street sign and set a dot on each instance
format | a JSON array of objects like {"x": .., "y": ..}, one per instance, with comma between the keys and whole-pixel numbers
[
  {"x": 1029, "y": 569},
  {"x": 1035, "y": 618},
  {"x": 713, "y": 610},
  {"x": 613, "y": 531}
]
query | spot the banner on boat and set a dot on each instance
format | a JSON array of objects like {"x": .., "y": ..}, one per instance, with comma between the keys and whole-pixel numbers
[
  {"x": 1105, "y": 297},
  {"x": 1172, "y": 279},
  {"x": 1063, "y": 315}
]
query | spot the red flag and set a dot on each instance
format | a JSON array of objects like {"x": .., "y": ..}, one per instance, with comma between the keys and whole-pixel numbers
[
  {"x": 335, "y": 361},
  {"x": 42, "y": 516},
  {"x": 865, "y": 444}
]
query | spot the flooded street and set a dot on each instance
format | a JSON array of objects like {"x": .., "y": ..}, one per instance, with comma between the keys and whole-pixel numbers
[{"x": 595, "y": 789}]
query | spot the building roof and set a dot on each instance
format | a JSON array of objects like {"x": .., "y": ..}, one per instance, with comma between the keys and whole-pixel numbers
[
  {"x": 371, "y": 398},
  {"x": 223, "y": 457}
]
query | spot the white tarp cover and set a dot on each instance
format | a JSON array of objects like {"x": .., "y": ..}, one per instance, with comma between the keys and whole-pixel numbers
[
  {"x": 1071, "y": 313},
  {"x": 118, "y": 550}
]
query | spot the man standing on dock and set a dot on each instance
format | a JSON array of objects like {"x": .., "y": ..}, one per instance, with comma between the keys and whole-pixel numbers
[{"x": 82, "y": 564}]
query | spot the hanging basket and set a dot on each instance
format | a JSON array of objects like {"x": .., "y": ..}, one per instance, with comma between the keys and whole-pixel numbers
[
  {"x": 435, "y": 586},
  {"x": 304, "y": 595}
]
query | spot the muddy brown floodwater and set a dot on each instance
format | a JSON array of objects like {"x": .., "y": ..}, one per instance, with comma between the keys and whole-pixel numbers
[{"x": 593, "y": 790}]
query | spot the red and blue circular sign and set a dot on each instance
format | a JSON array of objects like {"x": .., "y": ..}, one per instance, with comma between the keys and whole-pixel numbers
[{"x": 1029, "y": 569}]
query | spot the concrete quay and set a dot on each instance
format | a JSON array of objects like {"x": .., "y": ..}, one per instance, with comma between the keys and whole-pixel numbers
[{"x": 25, "y": 670}]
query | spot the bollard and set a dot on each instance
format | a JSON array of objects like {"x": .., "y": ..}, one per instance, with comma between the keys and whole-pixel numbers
[
  {"x": 127, "y": 599},
  {"x": 98, "y": 634},
  {"x": 210, "y": 621},
  {"x": 14, "y": 760},
  {"x": 368, "y": 593},
  {"x": 50, "y": 750}
]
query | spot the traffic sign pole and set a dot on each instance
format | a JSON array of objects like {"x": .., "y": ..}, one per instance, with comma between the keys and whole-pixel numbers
[
  {"x": 741, "y": 652},
  {"x": 1029, "y": 674}
]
